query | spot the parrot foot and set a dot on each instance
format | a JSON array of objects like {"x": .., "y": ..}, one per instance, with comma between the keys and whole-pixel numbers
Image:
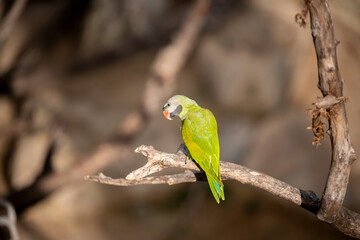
[{"x": 184, "y": 149}]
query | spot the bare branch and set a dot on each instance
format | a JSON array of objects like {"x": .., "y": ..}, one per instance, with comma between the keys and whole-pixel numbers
[
  {"x": 157, "y": 161},
  {"x": 331, "y": 86},
  {"x": 186, "y": 176},
  {"x": 332, "y": 109},
  {"x": 347, "y": 221}
]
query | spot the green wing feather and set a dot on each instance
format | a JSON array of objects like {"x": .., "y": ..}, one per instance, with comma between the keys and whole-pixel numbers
[{"x": 199, "y": 132}]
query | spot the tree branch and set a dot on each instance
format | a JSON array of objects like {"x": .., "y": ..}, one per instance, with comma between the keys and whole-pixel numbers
[
  {"x": 331, "y": 86},
  {"x": 332, "y": 108},
  {"x": 186, "y": 176},
  {"x": 347, "y": 222},
  {"x": 157, "y": 161}
]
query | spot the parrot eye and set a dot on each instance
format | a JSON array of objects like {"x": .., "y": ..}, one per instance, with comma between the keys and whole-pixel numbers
[{"x": 166, "y": 106}]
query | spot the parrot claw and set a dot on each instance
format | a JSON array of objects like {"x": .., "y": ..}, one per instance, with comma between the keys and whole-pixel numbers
[{"x": 184, "y": 149}]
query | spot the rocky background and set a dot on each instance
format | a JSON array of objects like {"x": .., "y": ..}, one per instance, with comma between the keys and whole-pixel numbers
[{"x": 70, "y": 71}]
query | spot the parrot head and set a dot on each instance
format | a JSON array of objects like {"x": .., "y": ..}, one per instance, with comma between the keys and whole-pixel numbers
[{"x": 177, "y": 106}]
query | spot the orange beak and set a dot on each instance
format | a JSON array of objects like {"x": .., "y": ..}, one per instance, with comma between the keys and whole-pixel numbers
[{"x": 167, "y": 115}]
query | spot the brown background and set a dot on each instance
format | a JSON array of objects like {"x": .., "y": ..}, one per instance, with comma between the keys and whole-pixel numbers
[{"x": 80, "y": 66}]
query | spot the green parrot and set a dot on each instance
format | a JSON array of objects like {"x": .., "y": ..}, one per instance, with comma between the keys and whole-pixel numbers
[{"x": 199, "y": 132}]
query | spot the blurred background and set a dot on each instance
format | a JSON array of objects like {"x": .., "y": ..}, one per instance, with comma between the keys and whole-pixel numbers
[{"x": 72, "y": 71}]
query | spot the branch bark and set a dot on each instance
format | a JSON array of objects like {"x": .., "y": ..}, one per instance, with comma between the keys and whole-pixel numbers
[
  {"x": 347, "y": 221},
  {"x": 331, "y": 86},
  {"x": 157, "y": 161}
]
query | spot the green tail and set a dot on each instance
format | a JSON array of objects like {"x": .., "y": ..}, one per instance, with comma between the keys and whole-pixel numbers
[{"x": 216, "y": 189}]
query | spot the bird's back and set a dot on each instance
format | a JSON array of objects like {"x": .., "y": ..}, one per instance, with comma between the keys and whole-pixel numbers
[{"x": 199, "y": 132}]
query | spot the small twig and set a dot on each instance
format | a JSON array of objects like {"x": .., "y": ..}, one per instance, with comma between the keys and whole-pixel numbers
[
  {"x": 158, "y": 161},
  {"x": 329, "y": 101},
  {"x": 300, "y": 18}
]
